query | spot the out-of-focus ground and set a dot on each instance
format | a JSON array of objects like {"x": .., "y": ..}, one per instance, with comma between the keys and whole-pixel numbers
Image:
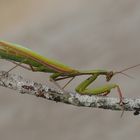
[{"x": 87, "y": 34}]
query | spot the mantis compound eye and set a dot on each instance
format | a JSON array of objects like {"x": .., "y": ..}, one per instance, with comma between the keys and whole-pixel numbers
[{"x": 109, "y": 75}]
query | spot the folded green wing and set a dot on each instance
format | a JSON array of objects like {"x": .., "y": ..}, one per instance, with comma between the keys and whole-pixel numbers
[{"x": 14, "y": 52}]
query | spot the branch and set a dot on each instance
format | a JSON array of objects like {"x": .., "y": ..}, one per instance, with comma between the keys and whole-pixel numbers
[{"x": 23, "y": 86}]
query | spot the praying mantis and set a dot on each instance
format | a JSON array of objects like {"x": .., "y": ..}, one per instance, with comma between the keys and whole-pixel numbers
[{"x": 35, "y": 62}]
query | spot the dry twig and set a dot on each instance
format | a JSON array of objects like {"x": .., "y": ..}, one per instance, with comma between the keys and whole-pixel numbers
[{"x": 23, "y": 86}]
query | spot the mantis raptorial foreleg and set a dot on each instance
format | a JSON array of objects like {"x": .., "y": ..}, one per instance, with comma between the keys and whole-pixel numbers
[{"x": 104, "y": 90}]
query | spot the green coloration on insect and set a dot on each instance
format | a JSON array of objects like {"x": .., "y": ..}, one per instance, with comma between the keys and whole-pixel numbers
[{"x": 36, "y": 62}]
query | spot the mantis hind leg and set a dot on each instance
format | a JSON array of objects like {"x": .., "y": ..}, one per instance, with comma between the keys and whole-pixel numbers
[
  {"x": 104, "y": 90},
  {"x": 25, "y": 67},
  {"x": 17, "y": 65},
  {"x": 20, "y": 65}
]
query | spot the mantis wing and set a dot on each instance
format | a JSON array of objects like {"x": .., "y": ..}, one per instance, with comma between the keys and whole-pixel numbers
[{"x": 18, "y": 53}]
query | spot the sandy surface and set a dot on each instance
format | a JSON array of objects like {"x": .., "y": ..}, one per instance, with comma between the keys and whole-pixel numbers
[{"x": 89, "y": 34}]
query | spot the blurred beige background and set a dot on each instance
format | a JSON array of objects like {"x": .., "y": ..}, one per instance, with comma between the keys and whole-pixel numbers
[{"x": 85, "y": 34}]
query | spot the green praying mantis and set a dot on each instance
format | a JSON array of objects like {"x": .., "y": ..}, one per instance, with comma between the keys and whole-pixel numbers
[{"x": 31, "y": 60}]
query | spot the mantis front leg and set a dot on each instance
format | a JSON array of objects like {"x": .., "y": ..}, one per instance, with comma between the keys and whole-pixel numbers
[{"x": 104, "y": 90}]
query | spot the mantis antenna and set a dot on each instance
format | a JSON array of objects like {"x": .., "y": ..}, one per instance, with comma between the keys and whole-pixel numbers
[{"x": 126, "y": 69}]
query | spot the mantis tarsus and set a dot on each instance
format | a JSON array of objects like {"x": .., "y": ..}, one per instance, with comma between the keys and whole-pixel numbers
[{"x": 36, "y": 62}]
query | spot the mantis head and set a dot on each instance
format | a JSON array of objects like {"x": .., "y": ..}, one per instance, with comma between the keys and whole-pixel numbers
[{"x": 111, "y": 73}]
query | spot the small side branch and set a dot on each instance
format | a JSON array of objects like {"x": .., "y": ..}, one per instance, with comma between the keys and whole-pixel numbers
[{"x": 23, "y": 86}]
